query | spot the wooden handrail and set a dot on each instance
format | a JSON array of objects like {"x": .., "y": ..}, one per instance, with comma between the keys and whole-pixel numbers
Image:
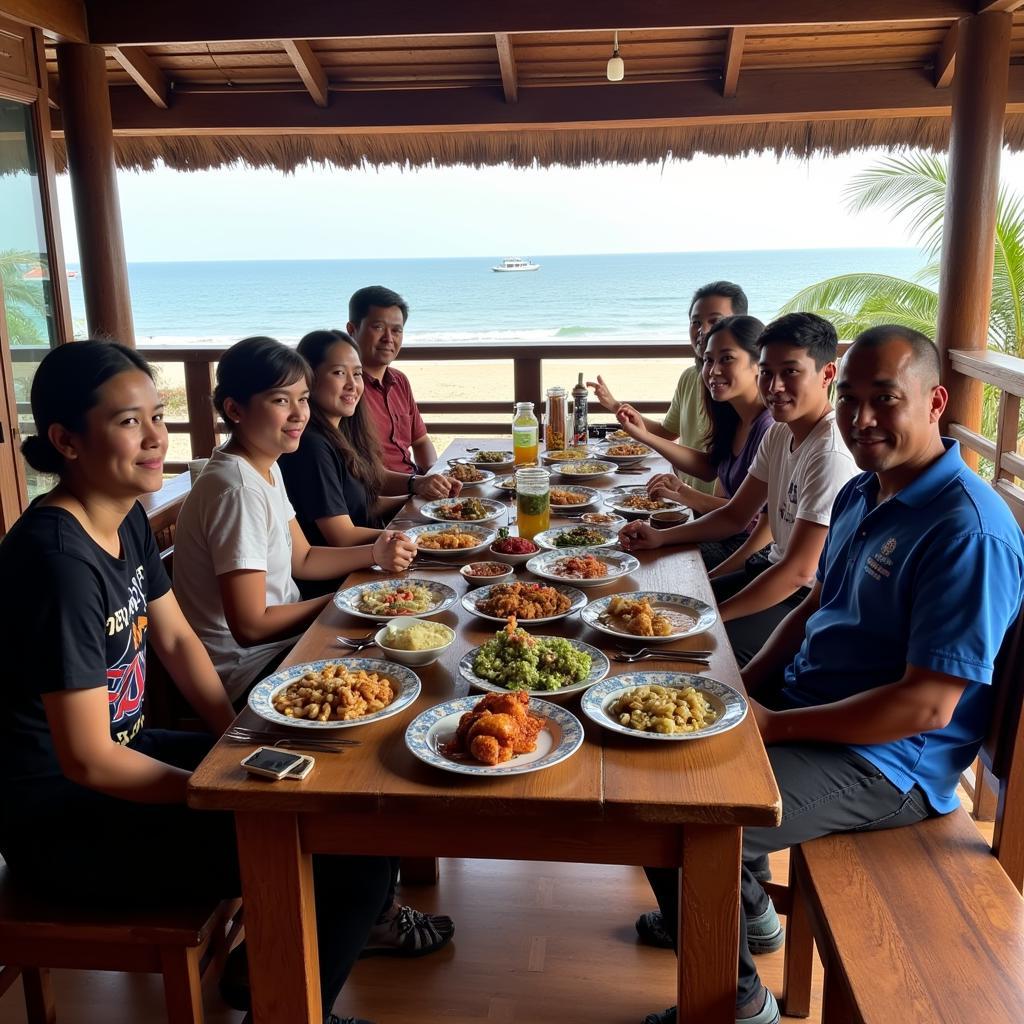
[{"x": 1003, "y": 371}]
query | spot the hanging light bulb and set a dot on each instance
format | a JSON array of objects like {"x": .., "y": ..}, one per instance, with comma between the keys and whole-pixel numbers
[{"x": 616, "y": 68}]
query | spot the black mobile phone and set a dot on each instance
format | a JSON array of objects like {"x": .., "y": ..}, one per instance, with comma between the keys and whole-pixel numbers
[{"x": 272, "y": 763}]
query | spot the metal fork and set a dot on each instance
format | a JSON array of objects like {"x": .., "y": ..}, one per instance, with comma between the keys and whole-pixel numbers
[
  {"x": 356, "y": 645},
  {"x": 656, "y": 652},
  {"x": 242, "y": 734}
]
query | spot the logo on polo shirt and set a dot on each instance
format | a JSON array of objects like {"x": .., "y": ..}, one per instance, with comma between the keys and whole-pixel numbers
[
  {"x": 879, "y": 566},
  {"x": 888, "y": 547}
]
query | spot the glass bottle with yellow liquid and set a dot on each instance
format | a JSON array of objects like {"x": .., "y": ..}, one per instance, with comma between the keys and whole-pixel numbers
[
  {"x": 525, "y": 431},
  {"x": 533, "y": 501}
]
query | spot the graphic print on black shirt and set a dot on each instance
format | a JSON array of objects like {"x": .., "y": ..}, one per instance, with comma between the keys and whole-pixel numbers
[{"x": 126, "y": 678}]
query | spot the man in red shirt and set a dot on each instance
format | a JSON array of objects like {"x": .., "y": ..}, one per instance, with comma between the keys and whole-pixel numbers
[{"x": 376, "y": 319}]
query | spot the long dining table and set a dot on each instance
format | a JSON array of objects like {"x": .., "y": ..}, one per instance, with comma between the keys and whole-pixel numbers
[{"x": 617, "y": 800}]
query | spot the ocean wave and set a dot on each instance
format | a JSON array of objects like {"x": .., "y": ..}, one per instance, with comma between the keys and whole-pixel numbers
[{"x": 582, "y": 332}]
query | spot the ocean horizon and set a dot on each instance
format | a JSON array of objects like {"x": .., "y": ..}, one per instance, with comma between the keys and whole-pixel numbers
[{"x": 459, "y": 299}]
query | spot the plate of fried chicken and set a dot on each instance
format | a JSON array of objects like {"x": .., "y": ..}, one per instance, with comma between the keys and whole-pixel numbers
[{"x": 498, "y": 734}]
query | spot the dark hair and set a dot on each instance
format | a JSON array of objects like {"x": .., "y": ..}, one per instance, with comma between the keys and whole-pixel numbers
[
  {"x": 733, "y": 292},
  {"x": 723, "y": 417},
  {"x": 66, "y": 386},
  {"x": 927, "y": 364},
  {"x": 374, "y": 295},
  {"x": 355, "y": 438},
  {"x": 807, "y": 331},
  {"x": 254, "y": 365}
]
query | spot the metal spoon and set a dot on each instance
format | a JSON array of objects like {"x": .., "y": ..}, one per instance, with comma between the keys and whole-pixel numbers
[
  {"x": 629, "y": 659},
  {"x": 653, "y": 651}
]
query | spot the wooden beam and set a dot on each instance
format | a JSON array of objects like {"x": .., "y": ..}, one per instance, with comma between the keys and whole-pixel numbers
[
  {"x": 507, "y": 62},
  {"x": 114, "y": 22},
  {"x": 733, "y": 59},
  {"x": 945, "y": 62},
  {"x": 309, "y": 68},
  {"x": 986, "y": 6},
  {"x": 767, "y": 96},
  {"x": 146, "y": 75},
  {"x": 63, "y": 20}
]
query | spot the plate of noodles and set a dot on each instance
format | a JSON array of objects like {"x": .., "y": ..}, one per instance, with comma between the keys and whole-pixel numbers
[{"x": 384, "y": 599}]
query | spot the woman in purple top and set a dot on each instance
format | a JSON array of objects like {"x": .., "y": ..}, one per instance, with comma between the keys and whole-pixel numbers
[{"x": 739, "y": 420}]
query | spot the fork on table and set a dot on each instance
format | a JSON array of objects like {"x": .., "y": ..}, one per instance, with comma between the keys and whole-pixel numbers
[
  {"x": 273, "y": 738},
  {"x": 646, "y": 654}
]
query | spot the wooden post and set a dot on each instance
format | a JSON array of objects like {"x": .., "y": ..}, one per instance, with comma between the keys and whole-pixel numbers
[
  {"x": 89, "y": 137},
  {"x": 202, "y": 419},
  {"x": 968, "y": 239}
]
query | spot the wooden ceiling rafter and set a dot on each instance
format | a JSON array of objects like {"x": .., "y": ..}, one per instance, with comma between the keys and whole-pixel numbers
[
  {"x": 1006, "y": 6},
  {"x": 507, "y": 64},
  {"x": 733, "y": 58},
  {"x": 144, "y": 73},
  {"x": 310, "y": 69},
  {"x": 61, "y": 20},
  {"x": 945, "y": 63}
]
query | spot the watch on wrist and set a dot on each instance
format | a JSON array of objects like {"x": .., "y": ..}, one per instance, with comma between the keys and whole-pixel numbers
[{"x": 412, "y": 482}]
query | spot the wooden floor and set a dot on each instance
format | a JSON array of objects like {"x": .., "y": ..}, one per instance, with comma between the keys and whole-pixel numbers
[{"x": 535, "y": 944}]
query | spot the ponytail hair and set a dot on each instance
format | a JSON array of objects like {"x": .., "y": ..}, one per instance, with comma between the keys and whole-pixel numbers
[{"x": 66, "y": 386}]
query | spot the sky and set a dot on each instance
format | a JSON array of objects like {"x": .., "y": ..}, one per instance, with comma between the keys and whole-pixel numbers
[{"x": 709, "y": 204}]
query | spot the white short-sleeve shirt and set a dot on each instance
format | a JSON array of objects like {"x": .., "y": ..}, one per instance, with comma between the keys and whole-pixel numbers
[
  {"x": 232, "y": 519},
  {"x": 802, "y": 482}
]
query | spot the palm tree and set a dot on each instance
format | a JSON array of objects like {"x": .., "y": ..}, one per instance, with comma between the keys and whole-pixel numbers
[
  {"x": 914, "y": 185},
  {"x": 24, "y": 300}
]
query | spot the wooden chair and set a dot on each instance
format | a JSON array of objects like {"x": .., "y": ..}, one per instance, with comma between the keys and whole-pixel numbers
[
  {"x": 180, "y": 943},
  {"x": 924, "y": 923}
]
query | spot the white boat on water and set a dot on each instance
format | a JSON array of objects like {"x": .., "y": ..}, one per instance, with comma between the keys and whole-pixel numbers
[{"x": 514, "y": 264}]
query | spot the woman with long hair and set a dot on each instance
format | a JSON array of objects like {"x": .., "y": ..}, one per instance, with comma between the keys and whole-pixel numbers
[
  {"x": 336, "y": 479},
  {"x": 738, "y": 419},
  {"x": 88, "y": 785}
]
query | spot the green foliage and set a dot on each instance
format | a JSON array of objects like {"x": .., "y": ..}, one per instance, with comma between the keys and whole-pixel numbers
[{"x": 24, "y": 299}]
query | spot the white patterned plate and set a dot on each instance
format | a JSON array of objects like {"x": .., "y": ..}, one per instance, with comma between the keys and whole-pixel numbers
[
  {"x": 563, "y": 456},
  {"x": 559, "y": 738},
  {"x": 599, "y": 668},
  {"x": 471, "y": 602},
  {"x": 496, "y": 467},
  {"x": 620, "y": 564},
  {"x": 730, "y": 705},
  {"x": 505, "y": 483},
  {"x": 435, "y": 510},
  {"x": 616, "y": 498},
  {"x": 549, "y": 538},
  {"x": 484, "y": 536},
  {"x": 349, "y": 600},
  {"x": 588, "y": 492},
  {"x": 701, "y": 615},
  {"x": 486, "y": 477},
  {"x": 589, "y": 469},
  {"x": 624, "y": 460},
  {"x": 404, "y": 681}
]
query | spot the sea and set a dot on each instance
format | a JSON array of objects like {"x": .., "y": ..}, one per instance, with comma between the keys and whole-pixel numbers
[{"x": 637, "y": 295}]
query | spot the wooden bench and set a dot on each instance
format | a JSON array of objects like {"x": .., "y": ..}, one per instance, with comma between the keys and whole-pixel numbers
[{"x": 924, "y": 923}]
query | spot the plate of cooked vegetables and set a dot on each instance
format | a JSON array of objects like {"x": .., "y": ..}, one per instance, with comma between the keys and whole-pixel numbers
[
  {"x": 581, "y": 536},
  {"x": 467, "y": 475},
  {"x": 492, "y": 459},
  {"x": 653, "y": 615},
  {"x": 531, "y": 602},
  {"x": 585, "y": 567},
  {"x": 664, "y": 705},
  {"x": 635, "y": 501},
  {"x": 335, "y": 694},
  {"x": 551, "y": 666},
  {"x": 454, "y": 539},
  {"x": 386, "y": 598},
  {"x": 463, "y": 510}
]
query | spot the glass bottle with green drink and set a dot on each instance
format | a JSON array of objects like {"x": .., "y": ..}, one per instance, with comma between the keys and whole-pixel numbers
[
  {"x": 525, "y": 429},
  {"x": 533, "y": 501}
]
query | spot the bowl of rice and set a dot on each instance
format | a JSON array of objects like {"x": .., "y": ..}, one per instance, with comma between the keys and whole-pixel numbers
[{"x": 414, "y": 642}]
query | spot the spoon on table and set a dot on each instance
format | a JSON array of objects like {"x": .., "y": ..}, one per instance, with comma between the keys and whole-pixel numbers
[{"x": 688, "y": 659}]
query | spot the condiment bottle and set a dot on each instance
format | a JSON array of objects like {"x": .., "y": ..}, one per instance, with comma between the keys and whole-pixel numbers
[
  {"x": 533, "y": 501},
  {"x": 580, "y": 396},
  {"x": 554, "y": 431},
  {"x": 525, "y": 429}
]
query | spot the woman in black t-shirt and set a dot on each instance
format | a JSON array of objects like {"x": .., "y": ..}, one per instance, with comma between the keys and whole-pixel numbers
[
  {"x": 336, "y": 480},
  {"x": 94, "y": 809}
]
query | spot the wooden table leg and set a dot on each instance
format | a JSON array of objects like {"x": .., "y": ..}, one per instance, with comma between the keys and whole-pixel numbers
[
  {"x": 280, "y": 922},
  {"x": 709, "y": 927}
]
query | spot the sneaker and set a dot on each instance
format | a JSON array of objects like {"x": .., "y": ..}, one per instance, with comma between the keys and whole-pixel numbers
[
  {"x": 768, "y": 1014},
  {"x": 650, "y": 927},
  {"x": 332, "y": 1019},
  {"x": 764, "y": 932},
  {"x": 409, "y": 932}
]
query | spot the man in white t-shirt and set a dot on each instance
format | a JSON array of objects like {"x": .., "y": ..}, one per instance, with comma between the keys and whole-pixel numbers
[{"x": 798, "y": 470}]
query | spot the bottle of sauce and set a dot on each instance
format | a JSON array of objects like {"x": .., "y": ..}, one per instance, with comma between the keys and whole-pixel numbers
[
  {"x": 525, "y": 431},
  {"x": 580, "y": 395},
  {"x": 554, "y": 430},
  {"x": 533, "y": 501}
]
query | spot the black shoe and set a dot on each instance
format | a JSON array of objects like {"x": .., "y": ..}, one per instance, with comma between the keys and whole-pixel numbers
[
  {"x": 332, "y": 1019},
  {"x": 234, "y": 982},
  {"x": 651, "y": 929},
  {"x": 409, "y": 932}
]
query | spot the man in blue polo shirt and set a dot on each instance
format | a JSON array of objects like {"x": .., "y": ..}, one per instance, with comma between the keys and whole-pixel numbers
[{"x": 873, "y": 694}]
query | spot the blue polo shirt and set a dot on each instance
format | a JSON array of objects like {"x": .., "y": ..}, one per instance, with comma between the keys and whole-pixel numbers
[{"x": 932, "y": 578}]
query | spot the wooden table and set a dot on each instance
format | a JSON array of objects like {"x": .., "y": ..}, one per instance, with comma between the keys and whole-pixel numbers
[{"x": 618, "y": 800}]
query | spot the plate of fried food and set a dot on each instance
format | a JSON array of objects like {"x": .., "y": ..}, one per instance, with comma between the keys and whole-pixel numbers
[
  {"x": 334, "y": 694},
  {"x": 494, "y": 735},
  {"x": 664, "y": 705},
  {"x": 586, "y": 567},
  {"x": 635, "y": 501},
  {"x": 493, "y": 459},
  {"x": 570, "y": 498},
  {"x": 625, "y": 453},
  {"x": 505, "y": 483},
  {"x": 585, "y": 469},
  {"x": 531, "y": 602},
  {"x": 581, "y": 536},
  {"x": 655, "y": 616},
  {"x": 384, "y": 599},
  {"x": 467, "y": 475},
  {"x": 552, "y": 666},
  {"x": 618, "y": 435},
  {"x": 463, "y": 510},
  {"x": 457, "y": 539}
]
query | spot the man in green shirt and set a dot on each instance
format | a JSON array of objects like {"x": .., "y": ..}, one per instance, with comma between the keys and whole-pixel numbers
[{"x": 686, "y": 419}]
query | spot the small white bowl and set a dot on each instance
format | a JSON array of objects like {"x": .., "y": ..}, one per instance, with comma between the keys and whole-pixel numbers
[
  {"x": 412, "y": 658},
  {"x": 479, "y": 581},
  {"x": 509, "y": 559}
]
